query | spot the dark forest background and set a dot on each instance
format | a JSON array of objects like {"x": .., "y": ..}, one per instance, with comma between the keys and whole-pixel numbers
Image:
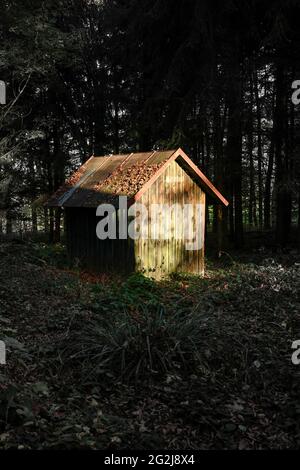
[{"x": 99, "y": 77}]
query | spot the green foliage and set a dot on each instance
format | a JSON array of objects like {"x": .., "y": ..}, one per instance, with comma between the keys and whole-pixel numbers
[
  {"x": 138, "y": 290},
  {"x": 53, "y": 255}
]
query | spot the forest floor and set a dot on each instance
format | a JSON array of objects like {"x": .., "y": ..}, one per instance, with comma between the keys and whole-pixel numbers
[{"x": 189, "y": 363}]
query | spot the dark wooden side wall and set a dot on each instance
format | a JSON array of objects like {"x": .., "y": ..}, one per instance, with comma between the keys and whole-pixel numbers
[
  {"x": 86, "y": 250},
  {"x": 157, "y": 258}
]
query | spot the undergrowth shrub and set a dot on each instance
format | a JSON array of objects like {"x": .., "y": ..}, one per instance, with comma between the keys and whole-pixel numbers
[
  {"x": 126, "y": 346},
  {"x": 141, "y": 328}
]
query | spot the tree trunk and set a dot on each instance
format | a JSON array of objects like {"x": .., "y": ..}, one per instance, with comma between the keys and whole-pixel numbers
[
  {"x": 46, "y": 220},
  {"x": 269, "y": 174},
  {"x": 51, "y": 225},
  {"x": 267, "y": 201},
  {"x": 259, "y": 152},
  {"x": 57, "y": 221},
  {"x": 8, "y": 222},
  {"x": 219, "y": 222},
  {"x": 283, "y": 196},
  {"x": 34, "y": 220},
  {"x": 252, "y": 201},
  {"x": 234, "y": 143}
]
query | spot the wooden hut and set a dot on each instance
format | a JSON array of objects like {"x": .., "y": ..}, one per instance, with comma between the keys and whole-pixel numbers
[{"x": 164, "y": 178}]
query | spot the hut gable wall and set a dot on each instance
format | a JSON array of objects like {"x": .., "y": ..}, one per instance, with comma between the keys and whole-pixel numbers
[{"x": 159, "y": 257}]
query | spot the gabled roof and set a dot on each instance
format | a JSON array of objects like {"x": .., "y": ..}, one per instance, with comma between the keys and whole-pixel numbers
[{"x": 104, "y": 179}]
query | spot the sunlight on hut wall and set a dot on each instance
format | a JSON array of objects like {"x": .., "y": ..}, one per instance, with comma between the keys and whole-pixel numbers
[{"x": 159, "y": 257}]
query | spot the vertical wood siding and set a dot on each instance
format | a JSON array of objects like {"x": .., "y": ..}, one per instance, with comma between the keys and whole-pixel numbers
[
  {"x": 87, "y": 251},
  {"x": 157, "y": 258}
]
